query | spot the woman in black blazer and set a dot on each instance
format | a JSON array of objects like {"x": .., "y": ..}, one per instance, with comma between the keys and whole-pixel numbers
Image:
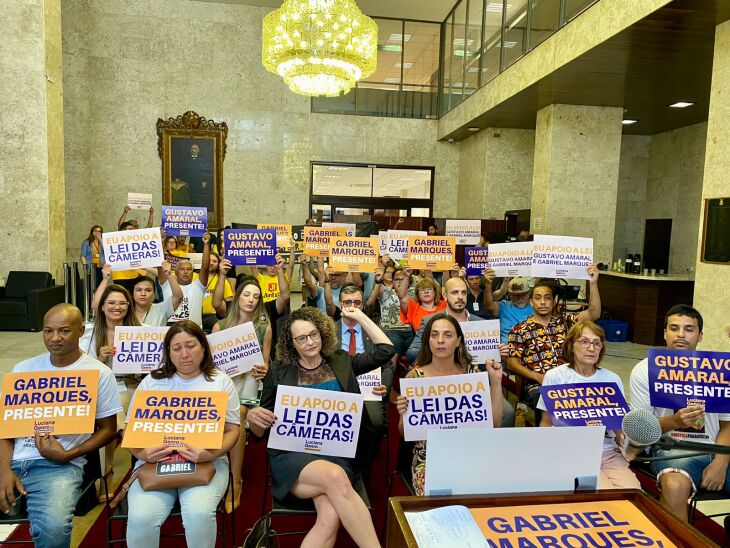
[{"x": 307, "y": 356}]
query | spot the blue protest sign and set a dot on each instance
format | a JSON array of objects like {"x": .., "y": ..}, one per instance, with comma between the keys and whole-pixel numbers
[
  {"x": 476, "y": 260},
  {"x": 250, "y": 247},
  {"x": 184, "y": 221},
  {"x": 585, "y": 404}
]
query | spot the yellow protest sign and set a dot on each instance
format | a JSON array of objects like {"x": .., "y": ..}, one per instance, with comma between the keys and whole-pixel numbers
[
  {"x": 317, "y": 239},
  {"x": 283, "y": 234},
  {"x": 431, "y": 252},
  {"x": 353, "y": 254}
]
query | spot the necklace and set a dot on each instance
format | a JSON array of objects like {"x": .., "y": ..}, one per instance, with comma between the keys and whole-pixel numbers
[{"x": 310, "y": 369}]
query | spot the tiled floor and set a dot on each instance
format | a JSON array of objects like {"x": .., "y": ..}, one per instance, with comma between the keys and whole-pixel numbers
[{"x": 620, "y": 358}]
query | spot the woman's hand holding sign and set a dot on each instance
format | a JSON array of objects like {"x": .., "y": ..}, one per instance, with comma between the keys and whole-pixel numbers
[
  {"x": 106, "y": 352},
  {"x": 260, "y": 419},
  {"x": 401, "y": 404},
  {"x": 152, "y": 454},
  {"x": 193, "y": 454},
  {"x": 259, "y": 371},
  {"x": 224, "y": 267}
]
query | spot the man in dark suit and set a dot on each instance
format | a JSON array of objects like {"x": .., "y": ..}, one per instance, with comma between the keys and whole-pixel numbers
[{"x": 354, "y": 339}]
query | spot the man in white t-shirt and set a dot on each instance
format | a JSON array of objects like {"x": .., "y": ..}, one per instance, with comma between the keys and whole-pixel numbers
[
  {"x": 47, "y": 469},
  {"x": 679, "y": 478},
  {"x": 191, "y": 306}
]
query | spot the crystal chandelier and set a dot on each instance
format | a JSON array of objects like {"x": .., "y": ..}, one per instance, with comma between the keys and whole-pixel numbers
[{"x": 319, "y": 47}]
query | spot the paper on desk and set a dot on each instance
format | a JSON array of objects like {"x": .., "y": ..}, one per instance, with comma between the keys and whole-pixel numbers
[{"x": 445, "y": 527}]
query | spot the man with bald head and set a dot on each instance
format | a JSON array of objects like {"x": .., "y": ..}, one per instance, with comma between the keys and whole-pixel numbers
[{"x": 47, "y": 469}]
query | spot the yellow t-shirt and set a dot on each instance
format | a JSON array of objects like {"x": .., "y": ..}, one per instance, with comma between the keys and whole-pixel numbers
[
  {"x": 208, "y": 299},
  {"x": 125, "y": 274},
  {"x": 269, "y": 286}
]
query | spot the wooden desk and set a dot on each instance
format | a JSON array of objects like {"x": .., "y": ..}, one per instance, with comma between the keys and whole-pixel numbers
[
  {"x": 399, "y": 533},
  {"x": 642, "y": 301}
]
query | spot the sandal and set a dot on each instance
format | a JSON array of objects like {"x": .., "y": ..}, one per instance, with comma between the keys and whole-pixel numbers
[
  {"x": 103, "y": 497},
  {"x": 233, "y": 501}
]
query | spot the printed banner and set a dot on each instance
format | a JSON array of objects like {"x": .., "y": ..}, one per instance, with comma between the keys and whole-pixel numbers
[
  {"x": 561, "y": 257},
  {"x": 465, "y": 232},
  {"x": 680, "y": 378},
  {"x": 317, "y": 240},
  {"x": 139, "y": 349},
  {"x": 236, "y": 350},
  {"x": 197, "y": 260},
  {"x": 250, "y": 247},
  {"x": 283, "y": 234},
  {"x": 454, "y": 401},
  {"x": 168, "y": 417},
  {"x": 396, "y": 243},
  {"x": 136, "y": 200},
  {"x": 595, "y": 523},
  {"x": 130, "y": 249},
  {"x": 367, "y": 382},
  {"x": 350, "y": 228},
  {"x": 477, "y": 260},
  {"x": 174, "y": 259},
  {"x": 353, "y": 254},
  {"x": 184, "y": 221},
  {"x": 585, "y": 404},
  {"x": 322, "y": 422},
  {"x": 512, "y": 259},
  {"x": 431, "y": 252},
  {"x": 482, "y": 340},
  {"x": 53, "y": 402}
]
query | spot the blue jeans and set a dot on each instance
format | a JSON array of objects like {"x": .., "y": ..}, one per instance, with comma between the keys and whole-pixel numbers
[
  {"x": 149, "y": 509},
  {"x": 693, "y": 466},
  {"x": 401, "y": 339},
  {"x": 53, "y": 489}
]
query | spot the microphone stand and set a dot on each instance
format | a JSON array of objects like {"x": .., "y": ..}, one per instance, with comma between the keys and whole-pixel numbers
[{"x": 691, "y": 449}]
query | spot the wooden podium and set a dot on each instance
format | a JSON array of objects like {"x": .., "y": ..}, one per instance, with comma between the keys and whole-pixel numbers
[{"x": 399, "y": 533}]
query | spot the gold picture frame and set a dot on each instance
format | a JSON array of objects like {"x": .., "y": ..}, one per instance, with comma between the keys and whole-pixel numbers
[{"x": 192, "y": 149}]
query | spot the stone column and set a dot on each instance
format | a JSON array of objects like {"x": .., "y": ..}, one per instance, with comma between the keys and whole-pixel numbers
[
  {"x": 575, "y": 174},
  {"x": 32, "y": 201},
  {"x": 712, "y": 281}
]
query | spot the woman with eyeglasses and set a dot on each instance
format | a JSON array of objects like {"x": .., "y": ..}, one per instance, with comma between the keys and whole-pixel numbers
[
  {"x": 427, "y": 300},
  {"x": 584, "y": 347},
  {"x": 389, "y": 280},
  {"x": 307, "y": 355}
]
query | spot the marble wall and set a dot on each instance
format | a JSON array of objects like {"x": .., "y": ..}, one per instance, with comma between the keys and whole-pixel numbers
[
  {"x": 495, "y": 172},
  {"x": 31, "y": 146},
  {"x": 127, "y": 64},
  {"x": 575, "y": 176},
  {"x": 632, "y": 175},
  {"x": 712, "y": 281}
]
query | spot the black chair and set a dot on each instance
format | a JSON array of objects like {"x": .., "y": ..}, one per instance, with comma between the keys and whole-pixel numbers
[
  {"x": 26, "y": 298},
  {"x": 703, "y": 495},
  {"x": 121, "y": 514},
  {"x": 86, "y": 502}
]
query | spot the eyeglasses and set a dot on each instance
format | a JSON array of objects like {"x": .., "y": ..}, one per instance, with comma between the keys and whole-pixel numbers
[
  {"x": 352, "y": 303},
  {"x": 117, "y": 304},
  {"x": 585, "y": 343},
  {"x": 302, "y": 339}
]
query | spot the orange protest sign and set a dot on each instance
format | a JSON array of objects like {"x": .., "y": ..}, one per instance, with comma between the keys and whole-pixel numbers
[
  {"x": 354, "y": 254},
  {"x": 164, "y": 417},
  {"x": 56, "y": 402},
  {"x": 431, "y": 252},
  {"x": 317, "y": 239},
  {"x": 283, "y": 234},
  {"x": 604, "y": 523}
]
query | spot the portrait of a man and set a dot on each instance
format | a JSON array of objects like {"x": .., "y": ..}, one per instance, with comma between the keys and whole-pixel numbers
[{"x": 192, "y": 174}]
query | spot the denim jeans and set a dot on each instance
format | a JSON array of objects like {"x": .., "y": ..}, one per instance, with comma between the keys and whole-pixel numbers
[
  {"x": 693, "y": 466},
  {"x": 53, "y": 489},
  {"x": 149, "y": 509},
  {"x": 401, "y": 339}
]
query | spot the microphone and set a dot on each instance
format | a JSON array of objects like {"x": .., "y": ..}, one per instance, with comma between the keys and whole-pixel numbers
[{"x": 641, "y": 430}]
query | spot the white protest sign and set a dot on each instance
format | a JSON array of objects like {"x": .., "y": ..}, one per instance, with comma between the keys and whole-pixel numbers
[
  {"x": 236, "y": 350},
  {"x": 396, "y": 244},
  {"x": 350, "y": 228},
  {"x": 196, "y": 259},
  {"x": 139, "y": 349},
  {"x": 135, "y": 200},
  {"x": 367, "y": 382},
  {"x": 561, "y": 257},
  {"x": 512, "y": 259},
  {"x": 130, "y": 249},
  {"x": 452, "y": 401},
  {"x": 482, "y": 340},
  {"x": 466, "y": 232},
  {"x": 309, "y": 420}
]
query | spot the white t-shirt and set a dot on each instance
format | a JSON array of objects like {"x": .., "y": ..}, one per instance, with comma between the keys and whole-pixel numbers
[
  {"x": 191, "y": 306},
  {"x": 87, "y": 342},
  {"x": 567, "y": 375},
  {"x": 704, "y": 431},
  {"x": 107, "y": 403},
  {"x": 158, "y": 314},
  {"x": 220, "y": 382}
]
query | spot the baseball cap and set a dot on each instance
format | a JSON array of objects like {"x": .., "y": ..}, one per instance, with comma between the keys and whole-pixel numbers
[{"x": 518, "y": 286}]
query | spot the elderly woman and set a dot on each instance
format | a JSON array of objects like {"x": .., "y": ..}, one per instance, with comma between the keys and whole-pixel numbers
[
  {"x": 187, "y": 366},
  {"x": 446, "y": 354},
  {"x": 427, "y": 301},
  {"x": 307, "y": 355},
  {"x": 584, "y": 347}
]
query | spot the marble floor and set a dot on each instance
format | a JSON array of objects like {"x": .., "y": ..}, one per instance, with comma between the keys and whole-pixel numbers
[{"x": 620, "y": 358}]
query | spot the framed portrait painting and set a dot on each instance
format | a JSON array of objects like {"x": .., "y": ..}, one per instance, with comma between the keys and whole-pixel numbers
[{"x": 192, "y": 150}]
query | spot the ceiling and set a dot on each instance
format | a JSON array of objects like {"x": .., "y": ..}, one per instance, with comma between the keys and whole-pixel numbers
[
  {"x": 424, "y": 10},
  {"x": 664, "y": 58}
]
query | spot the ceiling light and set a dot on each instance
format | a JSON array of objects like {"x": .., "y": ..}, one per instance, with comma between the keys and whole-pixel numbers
[
  {"x": 399, "y": 37},
  {"x": 681, "y": 104},
  {"x": 507, "y": 44},
  {"x": 628, "y": 122},
  {"x": 496, "y": 7},
  {"x": 473, "y": 128},
  {"x": 461, "y": 41},
  {"x": 390, "y": 47},
  {"x": 392, "y": 80},
  {"x": 404, "y": 65}
]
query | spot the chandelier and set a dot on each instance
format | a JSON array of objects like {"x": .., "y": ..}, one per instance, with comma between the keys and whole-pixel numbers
[{"x": 319, "y": 47}]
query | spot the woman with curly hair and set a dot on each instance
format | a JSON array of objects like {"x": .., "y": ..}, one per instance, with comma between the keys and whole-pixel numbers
[{"x": 307, "y": 355}]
